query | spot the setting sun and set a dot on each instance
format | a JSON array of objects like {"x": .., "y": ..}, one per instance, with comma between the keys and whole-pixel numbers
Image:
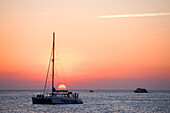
[{"x": 62, "y": 87}]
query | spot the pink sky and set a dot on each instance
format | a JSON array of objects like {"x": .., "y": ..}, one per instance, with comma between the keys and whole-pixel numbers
[{"x": 95, "y": 53}]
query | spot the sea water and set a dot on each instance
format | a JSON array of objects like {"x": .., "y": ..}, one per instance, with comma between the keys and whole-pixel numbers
[{"x": 99, "y": 101}]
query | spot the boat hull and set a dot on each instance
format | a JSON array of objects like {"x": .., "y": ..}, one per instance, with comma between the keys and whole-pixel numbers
[
  {"x": 41, "y": 101},
  {"x": 53, "y": 100},
  {"x": 140, "y": 92}
]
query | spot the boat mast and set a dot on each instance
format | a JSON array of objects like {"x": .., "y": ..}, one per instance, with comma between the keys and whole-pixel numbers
[{"x": 53, "y": 63}]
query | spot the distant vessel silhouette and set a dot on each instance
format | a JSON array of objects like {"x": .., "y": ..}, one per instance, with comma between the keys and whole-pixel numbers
[
  {"x": 57, "y": 96},
  {"x": 91, "y": 90},
  {"x": 140, "y": 90}
]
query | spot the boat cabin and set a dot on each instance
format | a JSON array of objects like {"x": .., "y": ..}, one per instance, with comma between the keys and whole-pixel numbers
[{"x": 60, "y": 93}]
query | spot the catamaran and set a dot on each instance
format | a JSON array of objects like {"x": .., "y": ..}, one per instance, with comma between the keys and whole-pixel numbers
[{"x": 56, "y": 96}]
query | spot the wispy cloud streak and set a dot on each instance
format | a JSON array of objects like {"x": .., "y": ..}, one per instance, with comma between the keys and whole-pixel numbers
[{"x": 134, "y": 15}]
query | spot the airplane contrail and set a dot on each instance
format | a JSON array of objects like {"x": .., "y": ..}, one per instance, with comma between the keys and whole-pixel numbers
[{"x": 134, "y": 15}]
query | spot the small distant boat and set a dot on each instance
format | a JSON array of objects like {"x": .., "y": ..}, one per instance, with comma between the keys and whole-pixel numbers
[
  {"x": 140, "y": 90},
  {"x": 91, "y": 90},
  {"x": 56, "y": 96}
]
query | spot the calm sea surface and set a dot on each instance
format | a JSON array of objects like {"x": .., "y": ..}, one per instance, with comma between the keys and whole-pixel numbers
[{"x": 99, "y": 101}]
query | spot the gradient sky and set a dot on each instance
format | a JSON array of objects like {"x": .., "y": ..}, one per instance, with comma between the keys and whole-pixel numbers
[{"x": 95, "y": 53}]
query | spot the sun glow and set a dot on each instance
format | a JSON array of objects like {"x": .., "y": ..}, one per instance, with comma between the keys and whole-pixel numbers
[{"x": 62, "y": 87}]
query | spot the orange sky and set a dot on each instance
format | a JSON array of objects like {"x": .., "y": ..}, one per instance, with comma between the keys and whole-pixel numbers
[{"x": 119, "y": 51}]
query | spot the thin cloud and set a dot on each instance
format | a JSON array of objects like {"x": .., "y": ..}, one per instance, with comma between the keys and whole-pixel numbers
[{"x": 134, "y": 15}]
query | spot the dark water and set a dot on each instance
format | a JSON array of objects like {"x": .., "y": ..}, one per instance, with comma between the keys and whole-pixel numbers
[{"x": 97, "y": 102}]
